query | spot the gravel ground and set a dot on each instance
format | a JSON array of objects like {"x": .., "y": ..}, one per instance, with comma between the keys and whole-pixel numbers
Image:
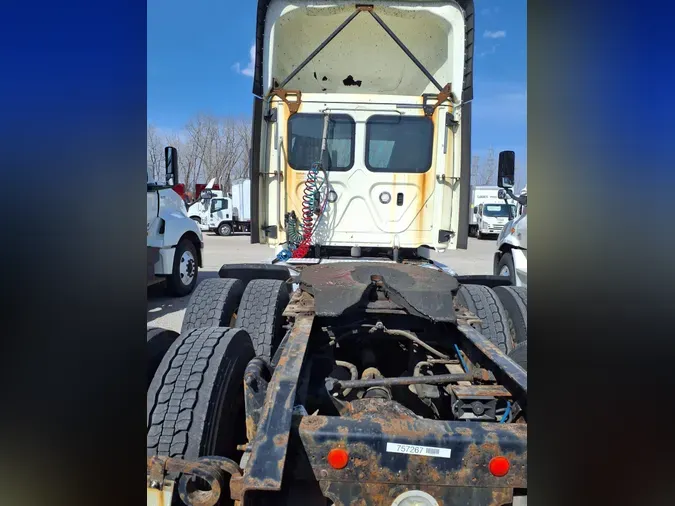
[{"x": 168, "y": 312}]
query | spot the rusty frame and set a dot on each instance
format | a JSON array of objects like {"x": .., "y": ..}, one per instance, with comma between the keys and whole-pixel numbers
[
  {"x": 369, "y": 425},
  {"x": 364, "y": 429},
  {"x": 211, "y": 470},
  {"x": 267, "y": 452},
  {"x": 505, "y": 366}
]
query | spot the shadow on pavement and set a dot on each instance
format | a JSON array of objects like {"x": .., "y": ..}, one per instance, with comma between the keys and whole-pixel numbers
[{"x": 160, "y": 304}]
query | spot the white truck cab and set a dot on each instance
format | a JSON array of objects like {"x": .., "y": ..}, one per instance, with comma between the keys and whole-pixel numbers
[
  {"x": 199, "y": 211},
  {"x": 223, "y": 213},
  {"x": 510, "y": 259},
  {"x": 362, "y": 149},
  {"x": 174, "y": 241}
]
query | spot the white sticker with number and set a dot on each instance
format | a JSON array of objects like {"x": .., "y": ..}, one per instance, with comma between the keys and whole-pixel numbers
[{"x": 428, "y": 451}]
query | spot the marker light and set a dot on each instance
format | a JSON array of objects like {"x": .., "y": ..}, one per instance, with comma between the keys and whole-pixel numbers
[
  {"x": 337, "y": 458},
  {"x": 499, "y": 466},
  {"x": 385, "y": 197}
]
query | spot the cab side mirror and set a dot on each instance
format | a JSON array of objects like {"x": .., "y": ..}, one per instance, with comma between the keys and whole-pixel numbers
[
  {"x": 506, "y": 169},
  {"x": 171, "y": 159},
  {"x": 475, "y": 210}
]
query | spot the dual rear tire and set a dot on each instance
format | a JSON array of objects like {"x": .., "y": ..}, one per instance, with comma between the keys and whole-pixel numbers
[
  {"x": 503, "y": 316},
  {"x": 257, "y": 308},
  {"x": 195, "y": 400}
]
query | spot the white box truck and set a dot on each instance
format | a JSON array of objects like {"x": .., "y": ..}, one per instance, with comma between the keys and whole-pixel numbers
[
  {"x": 487, "y": 212},
  {"x": 224, "y": 214}
]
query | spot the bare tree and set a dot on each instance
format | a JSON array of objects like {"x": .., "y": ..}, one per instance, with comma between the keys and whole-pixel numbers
[
  {"x": 188, "y": 161},
  {"x": 520, "y": 178},
  {"x": 218, "y": 147},
  {"x": 155, "y": 153},
  {"x": 243, "y": 127},
  {"x": 483, "y": 174}
]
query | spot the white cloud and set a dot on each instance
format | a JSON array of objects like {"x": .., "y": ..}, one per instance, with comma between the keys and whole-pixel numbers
[
  {"x": 492, "y": 50},
  {"x": 249, "y": 70},
  {"x": 487, "y": 11},
  {"x": 499, "y": 34}
]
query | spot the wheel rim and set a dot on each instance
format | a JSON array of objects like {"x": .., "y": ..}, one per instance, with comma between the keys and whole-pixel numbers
[
  {"x": 225, "y": 230},
  {"x": 188, "y": 268},
  {"x": 505, "y": 271}
]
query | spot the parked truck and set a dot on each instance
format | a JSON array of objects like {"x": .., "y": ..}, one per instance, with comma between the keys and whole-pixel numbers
[
  {"x": 488, "y": 212},
  {"x": 224, "y": 213},
  {"x": 510, "y": 259},
  {"x": 174, "y": 241},
  {"x": 352, "y": 369}
]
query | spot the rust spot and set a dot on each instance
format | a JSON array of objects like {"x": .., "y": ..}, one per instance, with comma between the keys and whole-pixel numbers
[
  {"x": 293, "y": 105},
  {"x": 281, "y": 439}
]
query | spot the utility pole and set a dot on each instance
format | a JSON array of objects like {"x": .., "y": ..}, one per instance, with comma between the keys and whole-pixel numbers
[
  {"x": 475, "y": 169},
  {"x": 490, "y": 166}
]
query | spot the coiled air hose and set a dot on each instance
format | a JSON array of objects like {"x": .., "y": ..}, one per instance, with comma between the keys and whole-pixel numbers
[{"x": 309, "y": 199}]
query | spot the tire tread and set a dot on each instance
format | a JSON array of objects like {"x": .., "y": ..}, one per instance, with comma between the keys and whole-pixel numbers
[
  {"x": 260, "y": 313},
  {"x": 185, "y": 379},
  {"x": 484, "y": 303},
  {"x": 212, "y": 303}
]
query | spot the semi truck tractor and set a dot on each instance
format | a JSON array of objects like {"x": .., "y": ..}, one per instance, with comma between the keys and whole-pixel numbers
[
  {"x": 174, "y": 241},
  {"x": 351, "y": 369},
  {"x": 510, "y": 259}
]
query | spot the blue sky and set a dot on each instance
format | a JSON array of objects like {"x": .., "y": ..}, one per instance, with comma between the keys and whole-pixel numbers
[{"x": 199, "y": 57}]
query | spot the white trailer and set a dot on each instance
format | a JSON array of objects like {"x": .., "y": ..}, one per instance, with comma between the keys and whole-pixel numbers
[
  {"x": 174, "y": 241},
  {"x": 487, "y": 212}
]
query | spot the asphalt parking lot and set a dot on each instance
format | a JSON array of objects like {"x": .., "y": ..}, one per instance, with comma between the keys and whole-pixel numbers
[{"x": 168, "y": 312}]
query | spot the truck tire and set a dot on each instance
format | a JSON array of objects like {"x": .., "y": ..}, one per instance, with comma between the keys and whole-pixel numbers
[
  {"x": 260, "y": 313},
  {"x": 213, "y": 304},
  {"x": 183, "y": 278},
  {"x": 224, "y": 229},
  {"x": 506, "y": 268},
  {"x": 159, "y": 341},
  {"x": 514, "y": 300},
  {"x": 196, "y": 219},
  {"x": 484, "y": 303},
  {"x": 519, "y": 354},
  {"x": 195, "y": 403}
]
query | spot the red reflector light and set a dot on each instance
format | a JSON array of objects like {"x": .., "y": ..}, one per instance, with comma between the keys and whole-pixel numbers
[
  {"x": 499, "y": 466},
  {"x": 337, "y": 458}
]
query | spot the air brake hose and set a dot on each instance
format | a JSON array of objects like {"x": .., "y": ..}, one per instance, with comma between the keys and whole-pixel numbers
[{"x": 309, "y": 199}]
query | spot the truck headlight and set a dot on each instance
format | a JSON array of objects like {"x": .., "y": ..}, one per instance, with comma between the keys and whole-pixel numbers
[{"x": 385, "y": 197}]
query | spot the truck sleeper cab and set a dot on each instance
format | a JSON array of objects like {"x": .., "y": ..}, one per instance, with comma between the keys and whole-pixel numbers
[{"x": 395, "y": 169}]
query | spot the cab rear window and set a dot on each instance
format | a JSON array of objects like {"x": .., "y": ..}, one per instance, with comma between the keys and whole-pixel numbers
[
  {"x": 399, "y": 143},
  {"x": 305, "y": 131}
]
